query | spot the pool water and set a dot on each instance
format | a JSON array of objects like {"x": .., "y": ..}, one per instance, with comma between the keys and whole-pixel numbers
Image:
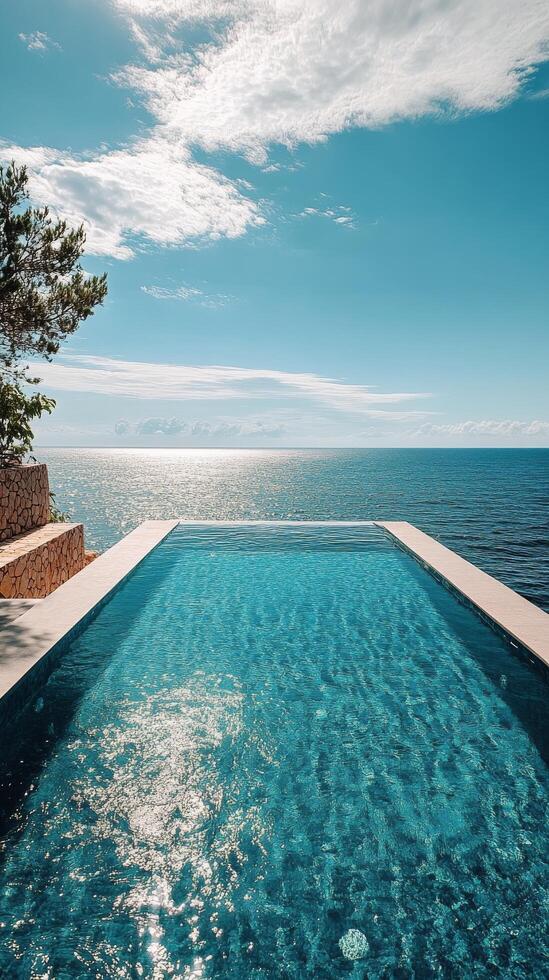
[{"x": 273, "y": 750}]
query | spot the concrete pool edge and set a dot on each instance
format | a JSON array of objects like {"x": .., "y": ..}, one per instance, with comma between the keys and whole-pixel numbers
[
  {"x": 27, "y": 641},
  {"x": 512, "y": 614}
]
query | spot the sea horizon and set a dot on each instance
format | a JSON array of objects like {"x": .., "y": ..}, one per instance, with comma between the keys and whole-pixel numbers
[
  {"x": 488, "y": 504},
  {"x": 305, "y": 448}
]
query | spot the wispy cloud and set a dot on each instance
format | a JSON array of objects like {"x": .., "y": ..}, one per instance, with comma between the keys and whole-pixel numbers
[
  {"x": 145, "y": 380},
  {"x": 541, "y": 93},
  {"x": 188, "y": 294},
  {"x": 485, "y": 427},
  {"x": 340, "y": 214},
  {"x": 38, "y": 41}
]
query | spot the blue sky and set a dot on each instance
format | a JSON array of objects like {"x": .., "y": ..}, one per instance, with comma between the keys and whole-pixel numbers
[{"x": 323, "y": 224}]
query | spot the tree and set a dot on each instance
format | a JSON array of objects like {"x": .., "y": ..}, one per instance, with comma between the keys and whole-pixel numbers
[{"x": 44, "y": 292}]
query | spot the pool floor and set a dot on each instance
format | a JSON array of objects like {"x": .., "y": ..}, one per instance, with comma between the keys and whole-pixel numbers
[{"x": 266, "y": 739}]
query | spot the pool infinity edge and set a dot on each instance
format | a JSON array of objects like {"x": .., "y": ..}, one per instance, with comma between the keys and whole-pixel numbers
[{"x": 52, "y": 622}]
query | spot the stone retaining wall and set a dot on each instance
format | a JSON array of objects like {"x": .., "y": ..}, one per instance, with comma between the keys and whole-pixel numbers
[
  {"x": 24, "y": 499},
  {"x": 35, "y": 563}
]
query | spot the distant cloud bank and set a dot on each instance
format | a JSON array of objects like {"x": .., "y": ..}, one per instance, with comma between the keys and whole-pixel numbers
[
  {"x": 199, "y": 428},
  {"x": 486, "y": 427}
]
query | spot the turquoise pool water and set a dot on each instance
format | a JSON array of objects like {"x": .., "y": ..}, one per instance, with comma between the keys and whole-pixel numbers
[{"x": 266, "y": 739}]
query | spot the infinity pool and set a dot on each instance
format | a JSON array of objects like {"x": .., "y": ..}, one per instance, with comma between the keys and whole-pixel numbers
[{"x": 274, "y": 750}]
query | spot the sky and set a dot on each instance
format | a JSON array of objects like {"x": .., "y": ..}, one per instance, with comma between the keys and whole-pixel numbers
[{"x": 324, "y": 224}]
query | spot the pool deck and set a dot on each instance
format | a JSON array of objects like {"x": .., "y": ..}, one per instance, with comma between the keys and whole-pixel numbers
[
  {"x": 26, "y": 637},
  {"x": 11, "y": 609},
  {"x": 517, "y": 617}
]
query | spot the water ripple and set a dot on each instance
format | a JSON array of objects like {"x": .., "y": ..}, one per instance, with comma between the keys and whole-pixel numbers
[{"x": 264, "y": 762}]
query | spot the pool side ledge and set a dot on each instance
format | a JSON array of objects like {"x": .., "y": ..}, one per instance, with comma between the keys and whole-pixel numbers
[
  {"x": 520, "y": 619},
  {"x": 27, "y": 640}
]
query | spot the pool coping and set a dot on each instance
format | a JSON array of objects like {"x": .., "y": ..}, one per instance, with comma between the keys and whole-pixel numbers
[
  {"x": 516, "y": 617},
  {"x": 27, "y": 640}
]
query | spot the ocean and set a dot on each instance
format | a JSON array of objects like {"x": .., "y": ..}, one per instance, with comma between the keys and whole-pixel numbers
[{"x": 489, "y": 505}]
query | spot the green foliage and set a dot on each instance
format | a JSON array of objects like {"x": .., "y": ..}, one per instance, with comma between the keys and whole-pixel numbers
[
  {"x": 57, "y": 516},
  {"x": 17, "y": 410},
  {"x": 44, "y": 292}
]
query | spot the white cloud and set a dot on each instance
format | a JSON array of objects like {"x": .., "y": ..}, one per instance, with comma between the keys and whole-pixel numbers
[
  {"x": 290, "y": 71},
  {"x": 486, "y": 427},
  {"x": 265, "y": 72},
  {"x": 181, "y": 10},
  {"x": 152, "y": 191},
  {"x": 38, "y": 41},
  {"x": 188, "y": 294},
  {"x": 138, "y": 379}
]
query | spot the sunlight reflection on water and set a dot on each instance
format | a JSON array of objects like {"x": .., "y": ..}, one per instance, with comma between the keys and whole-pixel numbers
[
  {"x": 492, "y": 506},
  {"x": 266, "y": 761}
]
